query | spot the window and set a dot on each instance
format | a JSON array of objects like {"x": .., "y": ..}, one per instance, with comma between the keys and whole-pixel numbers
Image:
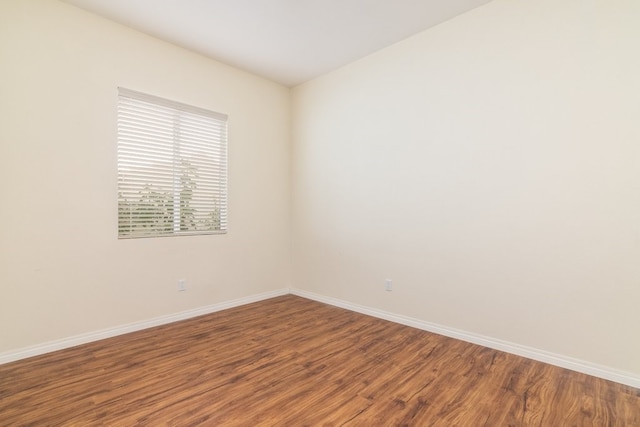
[{"x": 172, "y": 168}]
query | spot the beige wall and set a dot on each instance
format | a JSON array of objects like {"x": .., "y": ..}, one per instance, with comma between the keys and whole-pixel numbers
[
  {"x": 491, "y": 168},
  {"x": 63, "y": 272}
]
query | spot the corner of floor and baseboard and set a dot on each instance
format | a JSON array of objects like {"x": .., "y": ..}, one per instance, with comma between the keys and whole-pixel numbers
[{"x": 562, "y": 361}]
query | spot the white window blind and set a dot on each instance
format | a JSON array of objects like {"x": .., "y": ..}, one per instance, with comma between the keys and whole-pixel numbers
[{"x": 172, "y": 168}]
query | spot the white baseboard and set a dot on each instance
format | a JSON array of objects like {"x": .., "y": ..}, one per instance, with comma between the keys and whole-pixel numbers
[
  {"x": 61, "y": 344},
  {"x": 577, "y": 365}
]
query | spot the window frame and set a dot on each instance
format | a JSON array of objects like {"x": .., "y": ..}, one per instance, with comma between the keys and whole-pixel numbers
[{"x": 172, "y": 164}]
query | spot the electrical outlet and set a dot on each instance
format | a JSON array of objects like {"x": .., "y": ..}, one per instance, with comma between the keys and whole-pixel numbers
[
  {"x": 182, "y": 285},
  {"x": 388, "y": 285}
]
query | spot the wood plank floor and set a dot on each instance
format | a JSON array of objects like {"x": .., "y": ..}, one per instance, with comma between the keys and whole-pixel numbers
[{"x": 293, "y": 362}]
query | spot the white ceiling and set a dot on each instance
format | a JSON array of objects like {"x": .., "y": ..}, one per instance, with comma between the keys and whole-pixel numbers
[{"x": 288, "y": 41}]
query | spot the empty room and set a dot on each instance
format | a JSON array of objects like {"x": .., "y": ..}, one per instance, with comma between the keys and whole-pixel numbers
[{"x": 320, "y": 212}]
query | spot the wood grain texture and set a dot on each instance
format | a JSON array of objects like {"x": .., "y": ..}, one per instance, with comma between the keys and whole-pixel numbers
[{"x": 294, "y": 362}]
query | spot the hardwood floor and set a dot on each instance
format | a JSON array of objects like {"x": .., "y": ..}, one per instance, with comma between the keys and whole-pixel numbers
[{"x": 293, "y": 362}]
